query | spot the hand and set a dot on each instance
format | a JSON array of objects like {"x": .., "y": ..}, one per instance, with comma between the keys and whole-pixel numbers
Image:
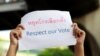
[
  {"x": 15, "y": 35},
  {"x": 79, "y": 34}
]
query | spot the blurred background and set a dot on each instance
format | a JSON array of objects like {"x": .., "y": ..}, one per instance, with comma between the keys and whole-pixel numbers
[{"x": 85, "y": 12}]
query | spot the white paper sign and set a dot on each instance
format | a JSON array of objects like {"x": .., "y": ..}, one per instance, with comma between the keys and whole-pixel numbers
[{"x": 47, "y": 28}]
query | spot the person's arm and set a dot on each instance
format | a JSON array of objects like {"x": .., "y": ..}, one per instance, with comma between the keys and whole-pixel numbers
[
  {"x": 12, "y": 50},
  {"x": 80, "y": 37},
  {"x": 79, "y": 50},
  {"x": 15, "y": 35}
]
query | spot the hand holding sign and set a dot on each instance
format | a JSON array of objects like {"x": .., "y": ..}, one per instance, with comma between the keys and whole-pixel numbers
[{"x": 49, "y": 28}]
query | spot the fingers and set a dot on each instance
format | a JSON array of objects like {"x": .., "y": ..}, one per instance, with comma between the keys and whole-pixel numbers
[
  {"x": 20, "y": 27},
  {"x": 74, "y": 25},
  {"x": 77, "y": 31},
  {"x": 15, "y": 34}
]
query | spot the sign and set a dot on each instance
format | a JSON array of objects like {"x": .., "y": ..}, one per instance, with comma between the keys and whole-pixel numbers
[{"x": 45, "y": 29}]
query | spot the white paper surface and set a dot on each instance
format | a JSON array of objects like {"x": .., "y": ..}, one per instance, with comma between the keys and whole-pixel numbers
[{"x": 45, "y": 29}]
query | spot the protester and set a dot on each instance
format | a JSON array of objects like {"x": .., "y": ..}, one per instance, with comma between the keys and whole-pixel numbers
[{"x": 15, "y": 35}]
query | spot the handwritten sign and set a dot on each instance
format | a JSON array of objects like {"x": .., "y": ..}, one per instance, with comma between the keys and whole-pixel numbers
[{"x": 47, "y": 28}]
